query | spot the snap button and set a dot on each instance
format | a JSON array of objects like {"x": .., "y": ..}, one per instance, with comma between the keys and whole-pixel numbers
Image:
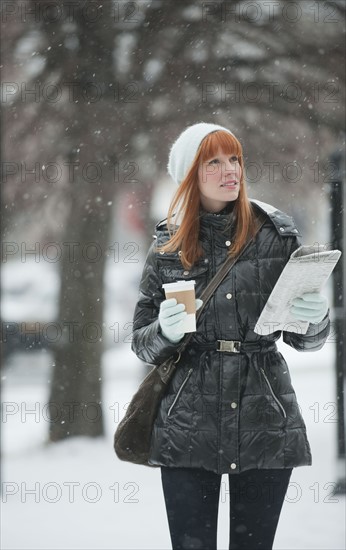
[
  {"x": 228, "y": 243},
  {"x": 282, "y": 229},
  {"x": 228, "y": 296},
  {"x": 233, "y": 465},
  {"x": 234, "y": 405},
  {"x": 186, "y": 272},
  {"x": 164, "y": 369}
]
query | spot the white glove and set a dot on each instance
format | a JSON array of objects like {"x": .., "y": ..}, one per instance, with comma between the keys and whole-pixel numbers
[
  {"x": 311, "y": 306},
  {"x": 171, "y": 317}
]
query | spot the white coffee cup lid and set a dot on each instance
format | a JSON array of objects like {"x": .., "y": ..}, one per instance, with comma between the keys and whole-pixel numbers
[{"x": 179, "y": 285}]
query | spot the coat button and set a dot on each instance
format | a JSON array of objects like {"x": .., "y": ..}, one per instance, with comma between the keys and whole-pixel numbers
[
  {"x": 233, "y": 465},
  {"x": 186, "y": 272},
  {"x": 234, "y": 405},
  {"x": 228, "y": 296},
  {"x": 282, "y": 229},
  {"x": 228, "y": 243}
]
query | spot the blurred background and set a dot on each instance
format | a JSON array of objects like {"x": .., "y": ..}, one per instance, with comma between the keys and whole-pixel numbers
[{"x": 93, "y": 95}]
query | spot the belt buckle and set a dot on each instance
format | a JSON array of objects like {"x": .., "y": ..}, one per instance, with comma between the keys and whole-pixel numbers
[{"x": 230, "y": 346}]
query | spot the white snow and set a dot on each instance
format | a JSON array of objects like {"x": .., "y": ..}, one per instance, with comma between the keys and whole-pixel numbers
[
  {"x": 87, "y": 499},
  {"x": 30, "y": 287}
]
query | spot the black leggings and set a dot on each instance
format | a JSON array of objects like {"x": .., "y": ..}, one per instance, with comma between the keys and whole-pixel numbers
[{"x": 192, "y": 502}]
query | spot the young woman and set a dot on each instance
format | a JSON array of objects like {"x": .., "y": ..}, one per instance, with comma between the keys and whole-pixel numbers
[{"x": 229, "y": 412}]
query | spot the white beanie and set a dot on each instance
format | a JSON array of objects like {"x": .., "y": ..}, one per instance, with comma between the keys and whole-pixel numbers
[{"x": 184, "y": 149}]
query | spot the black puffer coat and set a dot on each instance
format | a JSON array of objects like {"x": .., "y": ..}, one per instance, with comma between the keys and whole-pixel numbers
[{"x": 227, "y": 411}]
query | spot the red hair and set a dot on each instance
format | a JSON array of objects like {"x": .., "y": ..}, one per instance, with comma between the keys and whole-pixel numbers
[{"x": 185, "y": 237}]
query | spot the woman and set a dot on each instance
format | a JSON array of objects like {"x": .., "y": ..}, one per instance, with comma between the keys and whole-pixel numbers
[{"x": 232, "y": 411}]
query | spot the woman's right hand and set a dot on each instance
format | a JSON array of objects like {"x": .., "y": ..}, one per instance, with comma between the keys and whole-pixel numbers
[{"x": 171, "y": 317}]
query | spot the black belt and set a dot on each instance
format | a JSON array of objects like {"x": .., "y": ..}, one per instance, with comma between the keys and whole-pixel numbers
[{"x": 236, "y": 346}]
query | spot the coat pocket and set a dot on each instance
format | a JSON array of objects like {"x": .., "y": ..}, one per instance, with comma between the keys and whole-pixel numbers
[
  {"x": 182, "y": 385},
  {"x": 277, "y": 400}
]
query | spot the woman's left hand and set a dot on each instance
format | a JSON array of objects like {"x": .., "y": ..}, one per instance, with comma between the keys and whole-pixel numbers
[{"x": 311, "y": 307}]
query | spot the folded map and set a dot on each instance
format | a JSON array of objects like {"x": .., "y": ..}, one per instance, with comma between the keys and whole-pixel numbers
[{"x": 306, "y": 271}]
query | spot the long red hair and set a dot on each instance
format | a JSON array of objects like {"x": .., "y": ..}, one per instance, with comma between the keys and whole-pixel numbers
[{"x": 186, "y": 204}]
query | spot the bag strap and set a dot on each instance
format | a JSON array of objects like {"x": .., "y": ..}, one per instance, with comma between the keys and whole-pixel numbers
[{"x": 217, "y": 279}]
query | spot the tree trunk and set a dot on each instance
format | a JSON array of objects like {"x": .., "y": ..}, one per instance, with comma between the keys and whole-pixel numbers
[{"x": 75, "y": 399}]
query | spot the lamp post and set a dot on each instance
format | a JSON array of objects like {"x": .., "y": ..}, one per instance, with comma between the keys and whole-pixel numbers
[{"x": 338, "y": 238}]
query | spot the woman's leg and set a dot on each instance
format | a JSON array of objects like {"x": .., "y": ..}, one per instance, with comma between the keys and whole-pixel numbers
[
  {"x": 192, "y": 502},
  {"x": 256, "y": 499}
]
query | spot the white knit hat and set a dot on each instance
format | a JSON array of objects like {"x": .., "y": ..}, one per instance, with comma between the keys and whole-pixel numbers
[{"x": 184, "y": 149}]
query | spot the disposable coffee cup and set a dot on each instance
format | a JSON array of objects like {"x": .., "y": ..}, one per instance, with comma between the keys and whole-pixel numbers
[{"x": 184, "y": 293}]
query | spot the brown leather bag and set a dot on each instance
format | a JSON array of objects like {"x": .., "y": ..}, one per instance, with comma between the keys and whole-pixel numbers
[{"x": 133, "y": 435}]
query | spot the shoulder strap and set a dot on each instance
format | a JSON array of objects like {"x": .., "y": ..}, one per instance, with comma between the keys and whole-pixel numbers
[{"x": 218, "y": 278}]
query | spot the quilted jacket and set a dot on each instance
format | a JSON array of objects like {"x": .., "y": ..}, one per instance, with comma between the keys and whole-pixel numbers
[{"x": 226, "y": 411}]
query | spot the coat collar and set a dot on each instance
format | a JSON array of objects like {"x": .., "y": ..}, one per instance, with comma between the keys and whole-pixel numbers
[
  {"x": 283, "y": 223},
  {"x": 219, "y": 220}
]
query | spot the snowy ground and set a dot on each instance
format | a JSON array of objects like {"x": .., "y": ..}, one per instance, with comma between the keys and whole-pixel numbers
[{"x": 77, "y": 495}]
